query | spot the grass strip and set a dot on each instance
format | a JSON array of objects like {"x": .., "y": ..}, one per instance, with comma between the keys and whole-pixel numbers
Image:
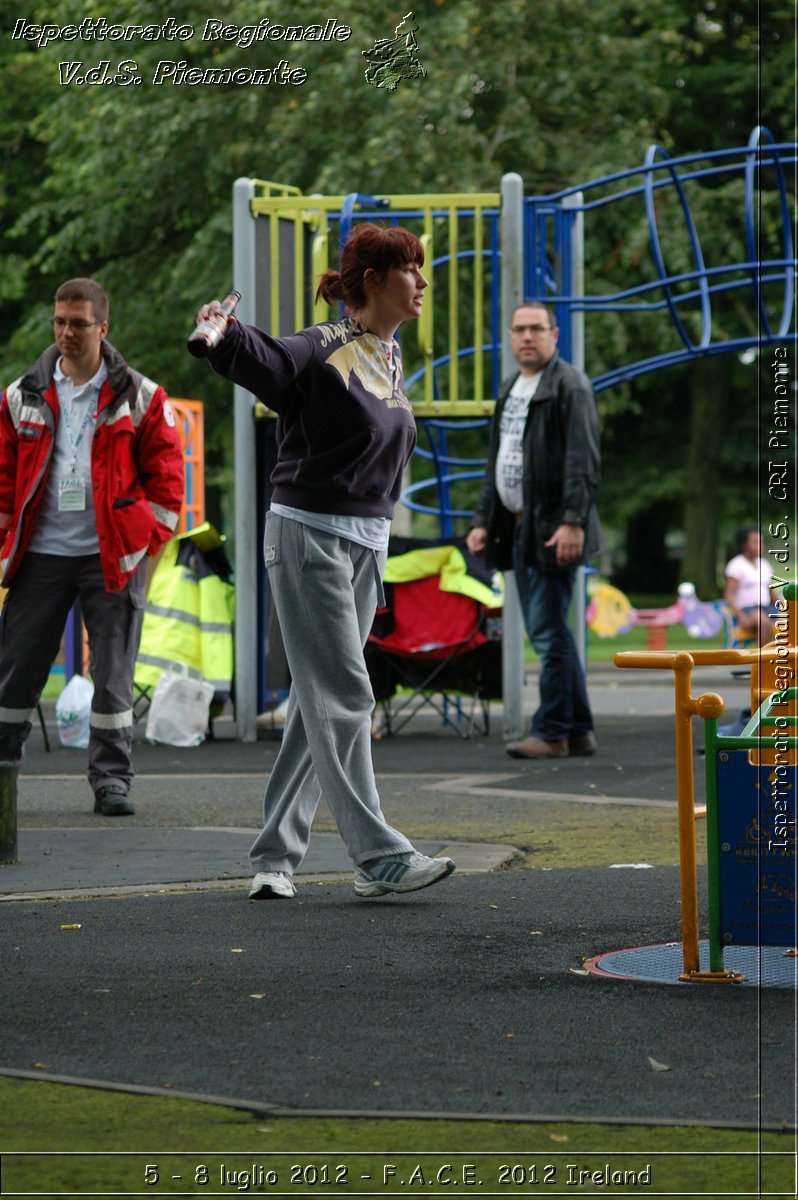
[{"x": 64, "y": 1140}]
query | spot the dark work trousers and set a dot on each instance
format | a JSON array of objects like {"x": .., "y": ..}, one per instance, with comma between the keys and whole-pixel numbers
[{"x": 32, "y": 621}]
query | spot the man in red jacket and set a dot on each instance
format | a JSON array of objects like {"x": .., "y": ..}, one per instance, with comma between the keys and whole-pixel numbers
[{"x": 91, "y": 483}]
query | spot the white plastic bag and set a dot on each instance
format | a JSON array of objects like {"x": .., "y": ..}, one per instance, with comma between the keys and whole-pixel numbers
[
  {"x": 73, "y": 713},
  {"x": 178, "y": 714}
]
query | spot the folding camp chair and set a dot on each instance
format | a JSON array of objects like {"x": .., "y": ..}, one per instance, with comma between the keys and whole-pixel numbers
[
  {"x": 435, "y": 643},
  {"x": 43, "y": 726}
]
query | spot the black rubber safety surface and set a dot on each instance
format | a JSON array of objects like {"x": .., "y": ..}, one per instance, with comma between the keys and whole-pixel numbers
[{"x": 470, "y": 997}]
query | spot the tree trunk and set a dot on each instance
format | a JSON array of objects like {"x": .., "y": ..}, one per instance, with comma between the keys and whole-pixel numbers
[
  {"x": 710, "y": 387},
  {"x": 648, "y": 570}
]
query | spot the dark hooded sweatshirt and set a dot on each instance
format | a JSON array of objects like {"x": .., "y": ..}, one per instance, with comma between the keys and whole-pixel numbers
[{"x": 345, "y": 429}]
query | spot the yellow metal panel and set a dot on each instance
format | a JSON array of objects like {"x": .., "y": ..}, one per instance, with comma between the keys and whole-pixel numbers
[
  {"x": 449, "y": 222},
  {"x": 319, "y": 262},
  {"x": 416, "y": 203},
  {"x": 478, "y": 301},
  {"x": 457, "y": 408},
  {"x": 300, "y": 283},
  {"x": 274, "y": 189},
  {"x": 274, "y": 259},
  {"x": 425, "y": 324},
  {"x": 454, "y": 362}
]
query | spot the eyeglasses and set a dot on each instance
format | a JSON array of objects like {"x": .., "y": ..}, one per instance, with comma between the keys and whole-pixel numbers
[
  {"x": 79, "y": 325},
  {"x": 531, "y": 328}
]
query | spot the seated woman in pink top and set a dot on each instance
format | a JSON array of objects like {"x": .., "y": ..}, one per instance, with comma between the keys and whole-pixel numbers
[{"x": 748, "y": 585}]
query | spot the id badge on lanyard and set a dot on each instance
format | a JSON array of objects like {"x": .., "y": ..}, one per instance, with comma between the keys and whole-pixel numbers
[
  {"x": 72, "y": 494},
  {"x": 72, "y": 488}
]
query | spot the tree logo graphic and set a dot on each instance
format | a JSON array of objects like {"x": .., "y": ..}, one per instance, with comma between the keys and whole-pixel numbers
[{"x": 393, "y": 59}]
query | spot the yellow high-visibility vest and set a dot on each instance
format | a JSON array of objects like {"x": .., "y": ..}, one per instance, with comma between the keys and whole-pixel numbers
[{"x": 189, "y": 614}]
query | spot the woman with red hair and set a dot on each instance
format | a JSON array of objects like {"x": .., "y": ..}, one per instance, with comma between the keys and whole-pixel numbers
[{"x": 345, "y": 431}]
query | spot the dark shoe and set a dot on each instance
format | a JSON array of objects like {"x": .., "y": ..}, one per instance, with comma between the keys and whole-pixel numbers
[
  {"x": 583, "y": 743},
  {"x": 112, "y": 801},
  {"x": 535, "y": 747}
]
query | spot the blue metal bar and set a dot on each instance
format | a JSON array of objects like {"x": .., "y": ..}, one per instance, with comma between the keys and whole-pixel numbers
[
  {"x": 444, "y": 360},
  {"x": 446, "y": 525},
  {"x": 563, "y": 256},
  {"x": 757, "y": 159},
  {"x": 609, "y": 301},
  {"x": 443, "y": 480},
  {"x": 656, "y": 251},
  {"x": 673, "y": 292},
  {"x": 554, "y": 198},
  {"x": 633, "y": 370}
]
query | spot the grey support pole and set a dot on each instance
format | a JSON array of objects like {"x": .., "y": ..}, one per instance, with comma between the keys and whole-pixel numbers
[
  {"x": 246, "y": 526},
  {"x": 512, "y": 294}
]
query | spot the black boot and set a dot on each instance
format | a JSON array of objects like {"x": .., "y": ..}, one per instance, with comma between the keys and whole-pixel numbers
[{"x": 112, "y": 801}]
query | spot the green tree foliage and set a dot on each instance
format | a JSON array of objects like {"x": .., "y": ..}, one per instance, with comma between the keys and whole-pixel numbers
[{"x": 132, "y": 182}]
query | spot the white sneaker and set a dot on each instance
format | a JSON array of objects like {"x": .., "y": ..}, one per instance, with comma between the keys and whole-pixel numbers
[
  {"x": 406, "y": 873},
  {"x": 271, "y": 885}
]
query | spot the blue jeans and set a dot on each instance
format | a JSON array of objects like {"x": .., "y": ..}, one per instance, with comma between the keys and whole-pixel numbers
[{"x": 545, "y": 596}]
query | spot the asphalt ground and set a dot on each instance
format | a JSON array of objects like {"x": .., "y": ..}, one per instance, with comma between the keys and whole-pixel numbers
[{"x": 132, "y": 957}]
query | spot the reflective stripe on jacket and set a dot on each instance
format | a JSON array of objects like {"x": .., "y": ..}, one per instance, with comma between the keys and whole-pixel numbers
[{"x": 188, "y": 619}]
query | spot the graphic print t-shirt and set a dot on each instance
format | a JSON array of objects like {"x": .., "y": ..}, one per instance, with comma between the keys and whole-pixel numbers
[{"x": 510, "y": 459}]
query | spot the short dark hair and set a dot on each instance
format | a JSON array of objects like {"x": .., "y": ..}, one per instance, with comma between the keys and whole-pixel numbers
[
  {"x": 547, "y": 309},
  {"x": 379, "y": 247},
  {"x": 743, "y": 534},
  {"x": 85, "y": 289}
]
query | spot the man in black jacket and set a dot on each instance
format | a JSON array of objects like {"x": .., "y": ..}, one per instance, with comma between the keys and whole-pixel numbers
[{"x": 537, "y": 517}]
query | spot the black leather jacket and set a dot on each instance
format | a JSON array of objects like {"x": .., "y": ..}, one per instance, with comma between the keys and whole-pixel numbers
[{"x": 561, "y": 470}]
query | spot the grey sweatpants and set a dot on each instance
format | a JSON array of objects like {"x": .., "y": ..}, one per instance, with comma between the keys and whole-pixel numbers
[
  {"x": 326, "y": 589},
  {"x": 41, "y": 594}
]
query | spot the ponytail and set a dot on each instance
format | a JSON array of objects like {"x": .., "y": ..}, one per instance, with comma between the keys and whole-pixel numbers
[{"x": 330, "y": 287}]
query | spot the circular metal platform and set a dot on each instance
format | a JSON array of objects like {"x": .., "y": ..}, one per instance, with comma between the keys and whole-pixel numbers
[{"x": 762, "y": 966}]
